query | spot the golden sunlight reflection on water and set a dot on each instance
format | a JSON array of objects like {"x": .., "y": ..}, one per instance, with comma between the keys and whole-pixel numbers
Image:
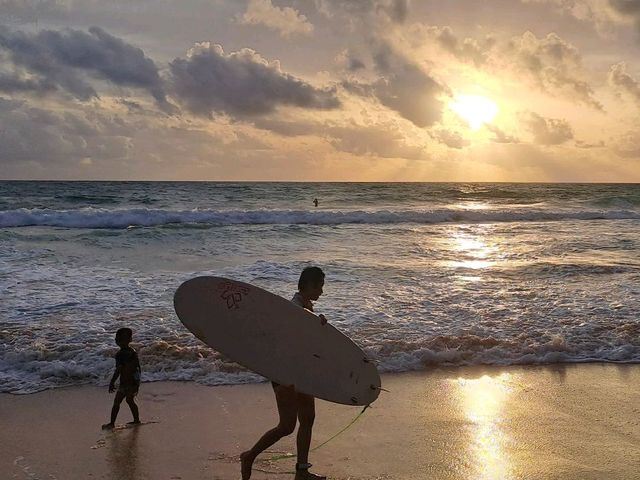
[
  {"x": 473, "y": 250},
  {"x": 482, "y": 400},
  {"x": 469, "y": 205}
]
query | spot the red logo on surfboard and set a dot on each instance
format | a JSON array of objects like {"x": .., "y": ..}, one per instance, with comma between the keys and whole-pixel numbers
[{"x": 232, "y": 294}]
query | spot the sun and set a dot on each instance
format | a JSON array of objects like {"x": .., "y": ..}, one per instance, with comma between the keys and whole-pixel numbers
[{"x": 474, "y": 109}]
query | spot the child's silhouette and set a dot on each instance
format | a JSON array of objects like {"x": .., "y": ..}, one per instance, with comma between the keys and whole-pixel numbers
[{"x": 128, "y": 369}]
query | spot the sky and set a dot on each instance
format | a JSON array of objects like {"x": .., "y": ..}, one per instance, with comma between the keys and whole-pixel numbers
[{"x": 320, "y": 90}]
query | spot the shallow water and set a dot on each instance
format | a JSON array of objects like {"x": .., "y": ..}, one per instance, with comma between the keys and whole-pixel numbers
[{"x": 418, "y": 274}]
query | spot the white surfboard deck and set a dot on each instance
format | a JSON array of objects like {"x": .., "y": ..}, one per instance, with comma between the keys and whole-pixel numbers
[{"x": 277, "y": 339}]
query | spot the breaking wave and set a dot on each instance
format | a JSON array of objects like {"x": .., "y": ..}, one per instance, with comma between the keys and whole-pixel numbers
[
  {"x": 119, "y": 219},
  {"x": 44, "y": 365}
]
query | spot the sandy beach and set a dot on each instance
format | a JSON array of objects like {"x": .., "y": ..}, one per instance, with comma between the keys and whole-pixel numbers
[{"x": 557, "y": 422}]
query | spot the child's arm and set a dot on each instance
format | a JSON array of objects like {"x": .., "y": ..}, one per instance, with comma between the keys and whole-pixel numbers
[
  {"x": 138, "y": 375},
  {"x": 112, "y": 383}
]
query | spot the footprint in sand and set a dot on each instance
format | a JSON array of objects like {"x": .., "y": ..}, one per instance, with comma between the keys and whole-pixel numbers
[
  {"x": 118, "y": 428},
  {"x": 26, "y": 468},
  {"x": 99, "y": 444}
]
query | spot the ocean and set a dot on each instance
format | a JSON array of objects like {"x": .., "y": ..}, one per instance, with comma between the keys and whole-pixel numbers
[{"x": 420, "y": 275}]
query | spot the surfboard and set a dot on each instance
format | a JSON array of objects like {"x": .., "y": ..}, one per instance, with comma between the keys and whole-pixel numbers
[{"x": 277, "y": 339}]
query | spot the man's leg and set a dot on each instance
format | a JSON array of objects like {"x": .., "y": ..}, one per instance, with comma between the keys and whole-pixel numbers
[
  {"x": 286, "y": 401},
  {"x": 306, "y": 416}
]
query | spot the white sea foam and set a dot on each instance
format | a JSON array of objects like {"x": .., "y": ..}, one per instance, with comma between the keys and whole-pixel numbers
[
  {"x": 39, "y": 367},
  {"x": 118, "y": 219}
]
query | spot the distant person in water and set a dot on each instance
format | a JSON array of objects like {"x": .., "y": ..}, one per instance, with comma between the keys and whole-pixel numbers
[
  {"x": 293, "y": 405},
  {"x": 128, "y": 369},
  {"x": 315, "y": 202}
]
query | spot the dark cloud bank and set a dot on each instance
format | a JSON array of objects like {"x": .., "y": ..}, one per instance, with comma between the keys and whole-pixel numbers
[
  {"x": 240, "y": 83},
  {"x": 66, "y": 60},
  {"x": 207, "y": 81},
  {"x": 73, "y": 67}
]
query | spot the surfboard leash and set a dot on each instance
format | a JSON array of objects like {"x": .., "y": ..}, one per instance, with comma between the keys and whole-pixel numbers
[
  {"x": 291, "y": 455},
  {"x": 345, "y": 428}
]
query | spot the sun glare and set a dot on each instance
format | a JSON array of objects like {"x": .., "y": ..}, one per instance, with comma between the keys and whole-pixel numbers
[{"x": 474, "y": 109}]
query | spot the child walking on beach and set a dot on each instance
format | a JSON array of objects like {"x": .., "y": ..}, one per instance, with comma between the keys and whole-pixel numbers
[
  {"x": 128, "y": 369},
  {"x": 293, "y": 405}
]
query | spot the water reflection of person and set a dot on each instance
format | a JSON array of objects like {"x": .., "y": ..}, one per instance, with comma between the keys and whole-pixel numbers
[{"x": 123, "y": 454}]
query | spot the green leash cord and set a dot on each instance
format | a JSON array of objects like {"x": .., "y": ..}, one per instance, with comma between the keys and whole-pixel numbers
[{"x": 291, "y": 455}]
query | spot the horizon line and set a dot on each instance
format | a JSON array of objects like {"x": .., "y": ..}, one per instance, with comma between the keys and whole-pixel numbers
[{"x": 326, "y": 181}]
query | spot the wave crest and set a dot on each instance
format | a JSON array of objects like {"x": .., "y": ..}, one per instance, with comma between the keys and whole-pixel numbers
[{"x": 120, "y": 219}]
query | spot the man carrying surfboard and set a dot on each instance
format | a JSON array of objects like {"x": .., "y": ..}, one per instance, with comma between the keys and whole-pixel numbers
[{"x": 293, "y": 405}]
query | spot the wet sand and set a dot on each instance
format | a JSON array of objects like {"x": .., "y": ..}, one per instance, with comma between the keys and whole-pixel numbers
[{"x": 560, "y": 422}]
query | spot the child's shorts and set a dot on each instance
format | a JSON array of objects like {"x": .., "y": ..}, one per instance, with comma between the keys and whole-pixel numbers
[{"x": 130, "y": 390}]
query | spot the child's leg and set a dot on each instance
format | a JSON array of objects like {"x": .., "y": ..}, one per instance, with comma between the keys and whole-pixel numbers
[
  {"x": 306, "y": 415},
  {"x": 286, "y": 400},
  {"x": 131, "y": 401},
  {"x": 116, "y": 406},
  {"x": 115, "y": 409}
]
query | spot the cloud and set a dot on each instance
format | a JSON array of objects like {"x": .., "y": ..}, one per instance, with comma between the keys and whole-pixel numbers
[
  {"x": 68, "y": 59},
  {"x": 548, "y": 131},
  {"x": 583, "y": 144},
  {"x": 395, "y": 10},
  {"x": 387, "y": 73},
  {"x": 500, "y": 136},
  {"x": 52, "y": 139},
  {"x": 107, "y": 139},
  {"x": 628, "y": 8},
  {"x": 286, "y": 127},
  {"x": 553, "y": 65},
  {"x": 240, "y": 83},
  {"x": 29, "y": 11},
  {"x": 623, "y": 83},
  {"x": 287, "y": 21},
  {"x": 465, "y": 49},
  {"x": 403, "y": 87},
  {"x": 132, "y": 106},
  {"x": 350, "y": 61},
  {"x": 627, "y": 145},
  {"x": 450, "y": 138},
  {"x": 12, "y": 83},
  {"x": 602, "y": 14},
  {"x": 386, "y": 141},
  {"x": 408, "y": 90},
  {"x": 386, "y": 138}
]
